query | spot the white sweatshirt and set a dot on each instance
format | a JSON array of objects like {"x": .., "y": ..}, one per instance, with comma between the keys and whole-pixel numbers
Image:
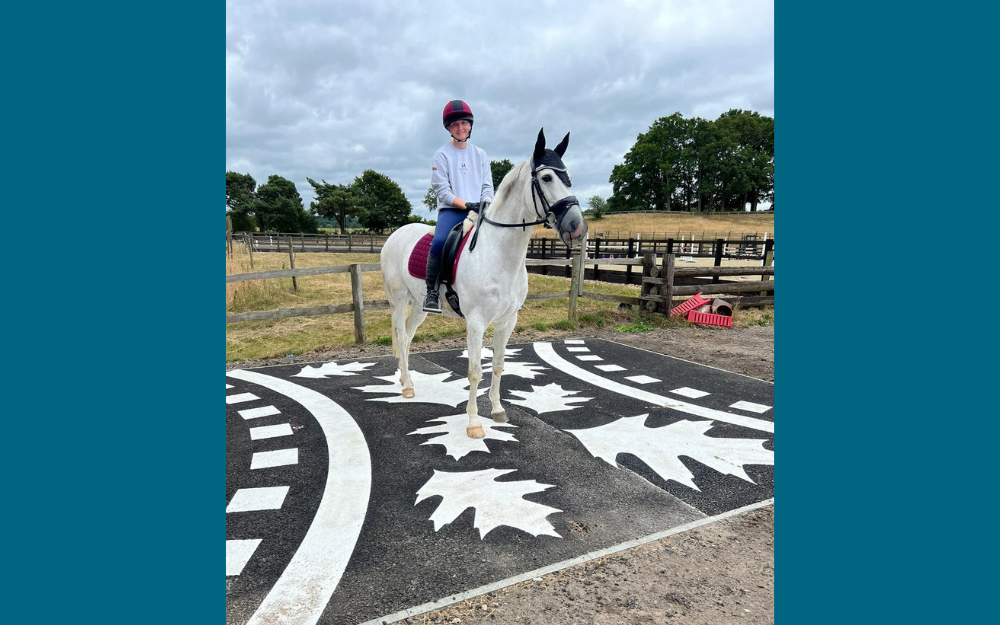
[{"x": 461, "y": 173}]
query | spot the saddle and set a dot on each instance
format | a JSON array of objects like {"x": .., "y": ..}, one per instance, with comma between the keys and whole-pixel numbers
[{"x": 453, "y": 246}]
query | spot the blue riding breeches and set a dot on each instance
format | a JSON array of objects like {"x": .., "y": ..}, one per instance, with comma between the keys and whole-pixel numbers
[{"x": 447, "y": 219}]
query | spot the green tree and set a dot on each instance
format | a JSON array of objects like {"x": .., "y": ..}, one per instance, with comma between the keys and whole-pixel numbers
[
  {"x": 240, "y": 200},
  {"x": 598, "y": 205},
  {"x": 499, "y": 169},
  {"x": 383, "y": 201},
  {"x": 430, "y": 200},
  {"x": 279, "y": 207},
  {"x": 335, "y": 201}
]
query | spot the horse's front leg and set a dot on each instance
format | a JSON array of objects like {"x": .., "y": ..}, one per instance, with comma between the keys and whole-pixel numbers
[
  {"x": 401, "y": 345},
  {"x": 474, "y": 337},
  {"x": 502, "y": 330}
]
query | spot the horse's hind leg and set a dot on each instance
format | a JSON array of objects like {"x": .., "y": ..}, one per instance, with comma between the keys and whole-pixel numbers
[
  {"x": 401, "y": 339},
  {"x": 474, "y": 336},
  {"x": 502, "y": 330}
]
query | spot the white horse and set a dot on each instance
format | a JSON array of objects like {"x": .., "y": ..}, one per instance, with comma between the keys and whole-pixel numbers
[{"x": 492, "y": 282}]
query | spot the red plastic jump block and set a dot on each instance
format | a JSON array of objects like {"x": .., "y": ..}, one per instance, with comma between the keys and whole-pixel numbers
[
  {"x": 690, "y": 304},
  {"x": 709, "y": 319}
]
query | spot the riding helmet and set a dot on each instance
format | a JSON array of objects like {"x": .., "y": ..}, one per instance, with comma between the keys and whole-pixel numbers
[{"x": 456, "y": 110}]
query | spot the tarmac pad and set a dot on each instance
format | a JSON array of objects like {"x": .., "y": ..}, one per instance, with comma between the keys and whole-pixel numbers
[{"x": 347, "y": 503}]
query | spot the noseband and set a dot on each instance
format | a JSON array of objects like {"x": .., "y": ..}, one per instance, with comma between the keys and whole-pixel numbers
[{"x": 552, "y": 215}]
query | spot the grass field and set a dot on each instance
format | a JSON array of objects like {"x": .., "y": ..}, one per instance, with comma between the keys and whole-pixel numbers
[
  {"x": 676, "y": 225},
  {"x": 300, "y": 335}
]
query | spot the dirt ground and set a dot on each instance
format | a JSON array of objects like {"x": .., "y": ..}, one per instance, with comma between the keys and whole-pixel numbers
[{"x": 718, "y": 573}]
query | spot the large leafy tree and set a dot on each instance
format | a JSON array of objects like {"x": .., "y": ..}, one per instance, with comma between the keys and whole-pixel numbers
[
  {"x": 688, "y": 164},
  {"x": 241, "y": 197},
  {"x": 430, "y": 200},
  {"x": 385, "y": 205},
  {"x": 499, "y": 169},
  {"x": 279, "y": 207},
  {"x": 335, "y": 201}
]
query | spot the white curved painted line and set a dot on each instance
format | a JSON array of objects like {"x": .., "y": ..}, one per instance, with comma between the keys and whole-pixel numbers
[
  {"x": 546, "y": 353},
  {"x": 307, "y": 583}
]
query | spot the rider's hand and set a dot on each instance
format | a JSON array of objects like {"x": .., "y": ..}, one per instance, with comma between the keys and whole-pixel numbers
[{"x": 472, "y": 206}]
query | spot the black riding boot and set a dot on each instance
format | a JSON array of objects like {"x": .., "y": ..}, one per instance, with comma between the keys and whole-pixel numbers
[{"x": 431, "y": 302}]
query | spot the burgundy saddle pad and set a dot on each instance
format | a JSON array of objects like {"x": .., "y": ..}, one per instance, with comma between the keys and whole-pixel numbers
[{"x": 418, "y": 257}]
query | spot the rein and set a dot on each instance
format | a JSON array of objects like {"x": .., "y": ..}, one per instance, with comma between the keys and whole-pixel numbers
[{"x": 557, "y": 210}]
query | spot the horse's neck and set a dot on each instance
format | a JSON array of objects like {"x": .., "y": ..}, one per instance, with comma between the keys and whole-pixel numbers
[{"x": 508, "y": 239}]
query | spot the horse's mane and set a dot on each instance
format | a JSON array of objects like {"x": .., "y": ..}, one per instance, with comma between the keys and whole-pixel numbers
[{"x": 509, "y": 182}]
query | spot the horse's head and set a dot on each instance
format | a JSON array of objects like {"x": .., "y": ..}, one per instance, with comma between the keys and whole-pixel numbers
[{"x": 551, "y": 181}]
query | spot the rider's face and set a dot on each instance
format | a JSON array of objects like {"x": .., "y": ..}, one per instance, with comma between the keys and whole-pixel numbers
[{"x": 460, "y": 129}]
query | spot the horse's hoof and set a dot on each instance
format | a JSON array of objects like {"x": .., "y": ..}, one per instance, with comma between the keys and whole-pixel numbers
[
  {"x": 499, "y": 417},
  {"x": 408, "y": 393},
  {"x": 475, "y": 432}
]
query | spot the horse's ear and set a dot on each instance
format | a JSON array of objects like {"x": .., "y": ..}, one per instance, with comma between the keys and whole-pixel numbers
[
  {"x": 561, "y": 148},
  {"x": 539, "y": 146}
]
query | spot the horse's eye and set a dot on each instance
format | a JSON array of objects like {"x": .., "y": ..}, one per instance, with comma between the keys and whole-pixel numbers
[{"x": 547, "y": 178}]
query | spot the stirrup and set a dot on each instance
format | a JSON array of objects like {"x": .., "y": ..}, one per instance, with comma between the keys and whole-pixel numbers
[{"x": 432, "y": 303}]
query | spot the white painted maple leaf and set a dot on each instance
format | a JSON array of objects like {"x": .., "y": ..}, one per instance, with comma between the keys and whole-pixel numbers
[
  {"x": 496, "y": 503},
  {"x": 661, "y": 448},
  {"x": 549, "y": 398},
  {"x": 430, "y": 388},
  {"x": 328, "y": 369},
  {"x": 488, "y": 353},
  {"x": 457, "y": 442},
  {"x": 527, "y": 370}
]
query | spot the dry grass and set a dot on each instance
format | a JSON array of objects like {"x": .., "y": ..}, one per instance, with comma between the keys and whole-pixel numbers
[
  {"x": 676, "y": 225},
  {"x": 301, "y": 335}
]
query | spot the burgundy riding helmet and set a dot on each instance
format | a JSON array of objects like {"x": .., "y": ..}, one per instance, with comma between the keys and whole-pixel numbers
[{"x": 457, "y": 110}]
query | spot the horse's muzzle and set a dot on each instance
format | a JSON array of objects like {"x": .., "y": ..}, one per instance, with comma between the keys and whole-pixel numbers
[{"x": 572, "y": 226}]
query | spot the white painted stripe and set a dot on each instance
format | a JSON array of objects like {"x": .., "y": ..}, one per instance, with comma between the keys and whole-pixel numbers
[
  {"x": 276, "y": 458},
  {"x": 693, "y": 393},
  {"x": 573, "y": 341},
  {"x": 578, "y": 349},
  {"x": 307, "y": 583},
  {"x": 752, "y": 407},
  {"x": 256, "y": 413},
  {"x": 546, "y": 353},
  {"x": 558, "y": 566},
  {"x": 590, "y": 358},
  {"x": 270, "y": 431},
  {"x": 242, "y": 397},
  {"x": 238, "y": 553},
  {"x": 251, "y": 499},
  {"x": 641, "y": 379},
  {"x": 229, "y": 386},
  {"x": 610, "y": 368}
]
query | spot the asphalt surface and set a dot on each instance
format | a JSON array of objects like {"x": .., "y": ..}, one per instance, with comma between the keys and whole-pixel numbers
[{"x": 388, "y": 506}]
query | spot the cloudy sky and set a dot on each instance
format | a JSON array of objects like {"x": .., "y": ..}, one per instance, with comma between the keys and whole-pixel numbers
[{"x": 328, "y": 89}]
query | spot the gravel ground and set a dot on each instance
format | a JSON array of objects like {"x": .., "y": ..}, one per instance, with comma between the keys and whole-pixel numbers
[{"x": 718, "y": 573}]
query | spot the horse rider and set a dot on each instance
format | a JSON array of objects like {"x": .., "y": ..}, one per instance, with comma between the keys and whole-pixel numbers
[{"x": 462, "y": 181}]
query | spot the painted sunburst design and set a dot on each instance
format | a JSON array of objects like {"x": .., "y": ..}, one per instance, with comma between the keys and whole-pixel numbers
[
  {"x": 496, "y": 503},
  {"x": 430, "y": 388},
  {"x": 549, "y": 398},
  {"x": 329, "y": 369},
  {"x": 661, "y": 448},
  {"x": 488, "y": 353},
  {"x": 527, "y": 370},
  {"x": 457, "y": 442}
]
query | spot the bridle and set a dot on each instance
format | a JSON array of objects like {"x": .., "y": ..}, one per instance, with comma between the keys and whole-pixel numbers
[{"x": 551, "y": 216}]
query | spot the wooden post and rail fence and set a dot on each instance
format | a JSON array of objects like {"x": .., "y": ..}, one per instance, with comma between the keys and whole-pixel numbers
[{"x": 657, "y": 294}]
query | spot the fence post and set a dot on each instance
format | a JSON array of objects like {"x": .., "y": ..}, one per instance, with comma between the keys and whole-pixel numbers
[
  {"x": 545, "y": 268},
  {"x": 631, "y": 255},
  {"x": 667, "y": 273},
  {"x": 768, "y": 260},
  {"x": 302, "y": 242},
  {"x": 576, "y": 282},
  {"x": 250, "y": 247},
  {"x": 720, "y": 246},
  {"x": 357, "y": 300},
  {"x": 291, "y": 259},
  {"x": 350, "y": 242},
  {"x": 597, "y": 256},
  {"x": 648, "y": 265}
]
